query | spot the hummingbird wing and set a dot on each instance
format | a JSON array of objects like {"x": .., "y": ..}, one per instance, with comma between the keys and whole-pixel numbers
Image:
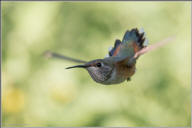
[
  {"x": 49, "y": 54},
  {"x": 153, "y": 46}
]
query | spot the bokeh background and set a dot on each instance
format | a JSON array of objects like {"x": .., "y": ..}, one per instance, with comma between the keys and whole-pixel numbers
[{"x": 40, "y": 92}]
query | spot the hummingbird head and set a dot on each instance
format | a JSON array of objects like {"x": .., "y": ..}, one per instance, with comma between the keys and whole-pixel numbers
[{"x": 100, "y": 70}]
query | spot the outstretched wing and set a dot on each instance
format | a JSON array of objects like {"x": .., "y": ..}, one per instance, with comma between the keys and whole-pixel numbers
[
  {"x": 49, "y": 54},
  {"x": 133, "y": 41}
]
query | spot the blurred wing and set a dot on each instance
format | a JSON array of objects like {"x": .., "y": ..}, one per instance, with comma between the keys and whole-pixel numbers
[
  {"x": 153, "y": 47},
  {"x": 49, "y": 54}
]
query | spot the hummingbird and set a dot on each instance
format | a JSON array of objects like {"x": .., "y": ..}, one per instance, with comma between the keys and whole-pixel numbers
[{"x": 120, "y": 63}]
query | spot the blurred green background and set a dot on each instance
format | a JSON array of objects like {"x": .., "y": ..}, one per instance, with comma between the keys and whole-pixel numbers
[{"x": 40, "y": 92}]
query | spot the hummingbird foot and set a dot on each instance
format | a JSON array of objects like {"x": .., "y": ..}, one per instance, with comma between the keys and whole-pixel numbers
[{"x": 128, "y": 79}]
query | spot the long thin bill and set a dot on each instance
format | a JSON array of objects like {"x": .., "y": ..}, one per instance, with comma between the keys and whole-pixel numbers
[{"x": 77, "y": 66}]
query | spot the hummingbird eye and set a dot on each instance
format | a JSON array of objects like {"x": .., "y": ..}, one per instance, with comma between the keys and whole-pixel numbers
[{"x": 98, "y": 65}]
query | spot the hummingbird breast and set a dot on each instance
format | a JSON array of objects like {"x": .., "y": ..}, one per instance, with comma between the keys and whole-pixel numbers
[
  {"x": 114, "y": 78},
  {"x": 120, "y": 74},
  {"x": 100, "y": 75},
  {"x": 125, "y": 71}
]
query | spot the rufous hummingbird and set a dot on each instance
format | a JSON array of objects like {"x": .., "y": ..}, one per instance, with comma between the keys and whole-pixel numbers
[{"x": 120, "y": 63}]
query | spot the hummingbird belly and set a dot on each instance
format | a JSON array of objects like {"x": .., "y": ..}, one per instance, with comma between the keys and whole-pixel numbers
[
  {"x": 120, "y": 74},
  {"x": 114, "y": 79}
]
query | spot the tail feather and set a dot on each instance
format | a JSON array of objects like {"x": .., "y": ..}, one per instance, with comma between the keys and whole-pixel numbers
[
  {"x": 132, "y": 42},
  {"x": 135, "y": 36},
  {"x": 113, "y": 50}
]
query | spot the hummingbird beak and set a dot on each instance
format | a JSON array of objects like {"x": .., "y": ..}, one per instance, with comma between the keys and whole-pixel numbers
[{"x": 78, "y": 66}]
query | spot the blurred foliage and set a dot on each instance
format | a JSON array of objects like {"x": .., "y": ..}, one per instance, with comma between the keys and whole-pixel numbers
[{"x": 40, "y": 92}]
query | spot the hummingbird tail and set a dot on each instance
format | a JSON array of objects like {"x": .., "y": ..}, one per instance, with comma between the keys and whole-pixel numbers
[
  {"x": 133, "y": 41},
  {"x": 137, "y": 36}
]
